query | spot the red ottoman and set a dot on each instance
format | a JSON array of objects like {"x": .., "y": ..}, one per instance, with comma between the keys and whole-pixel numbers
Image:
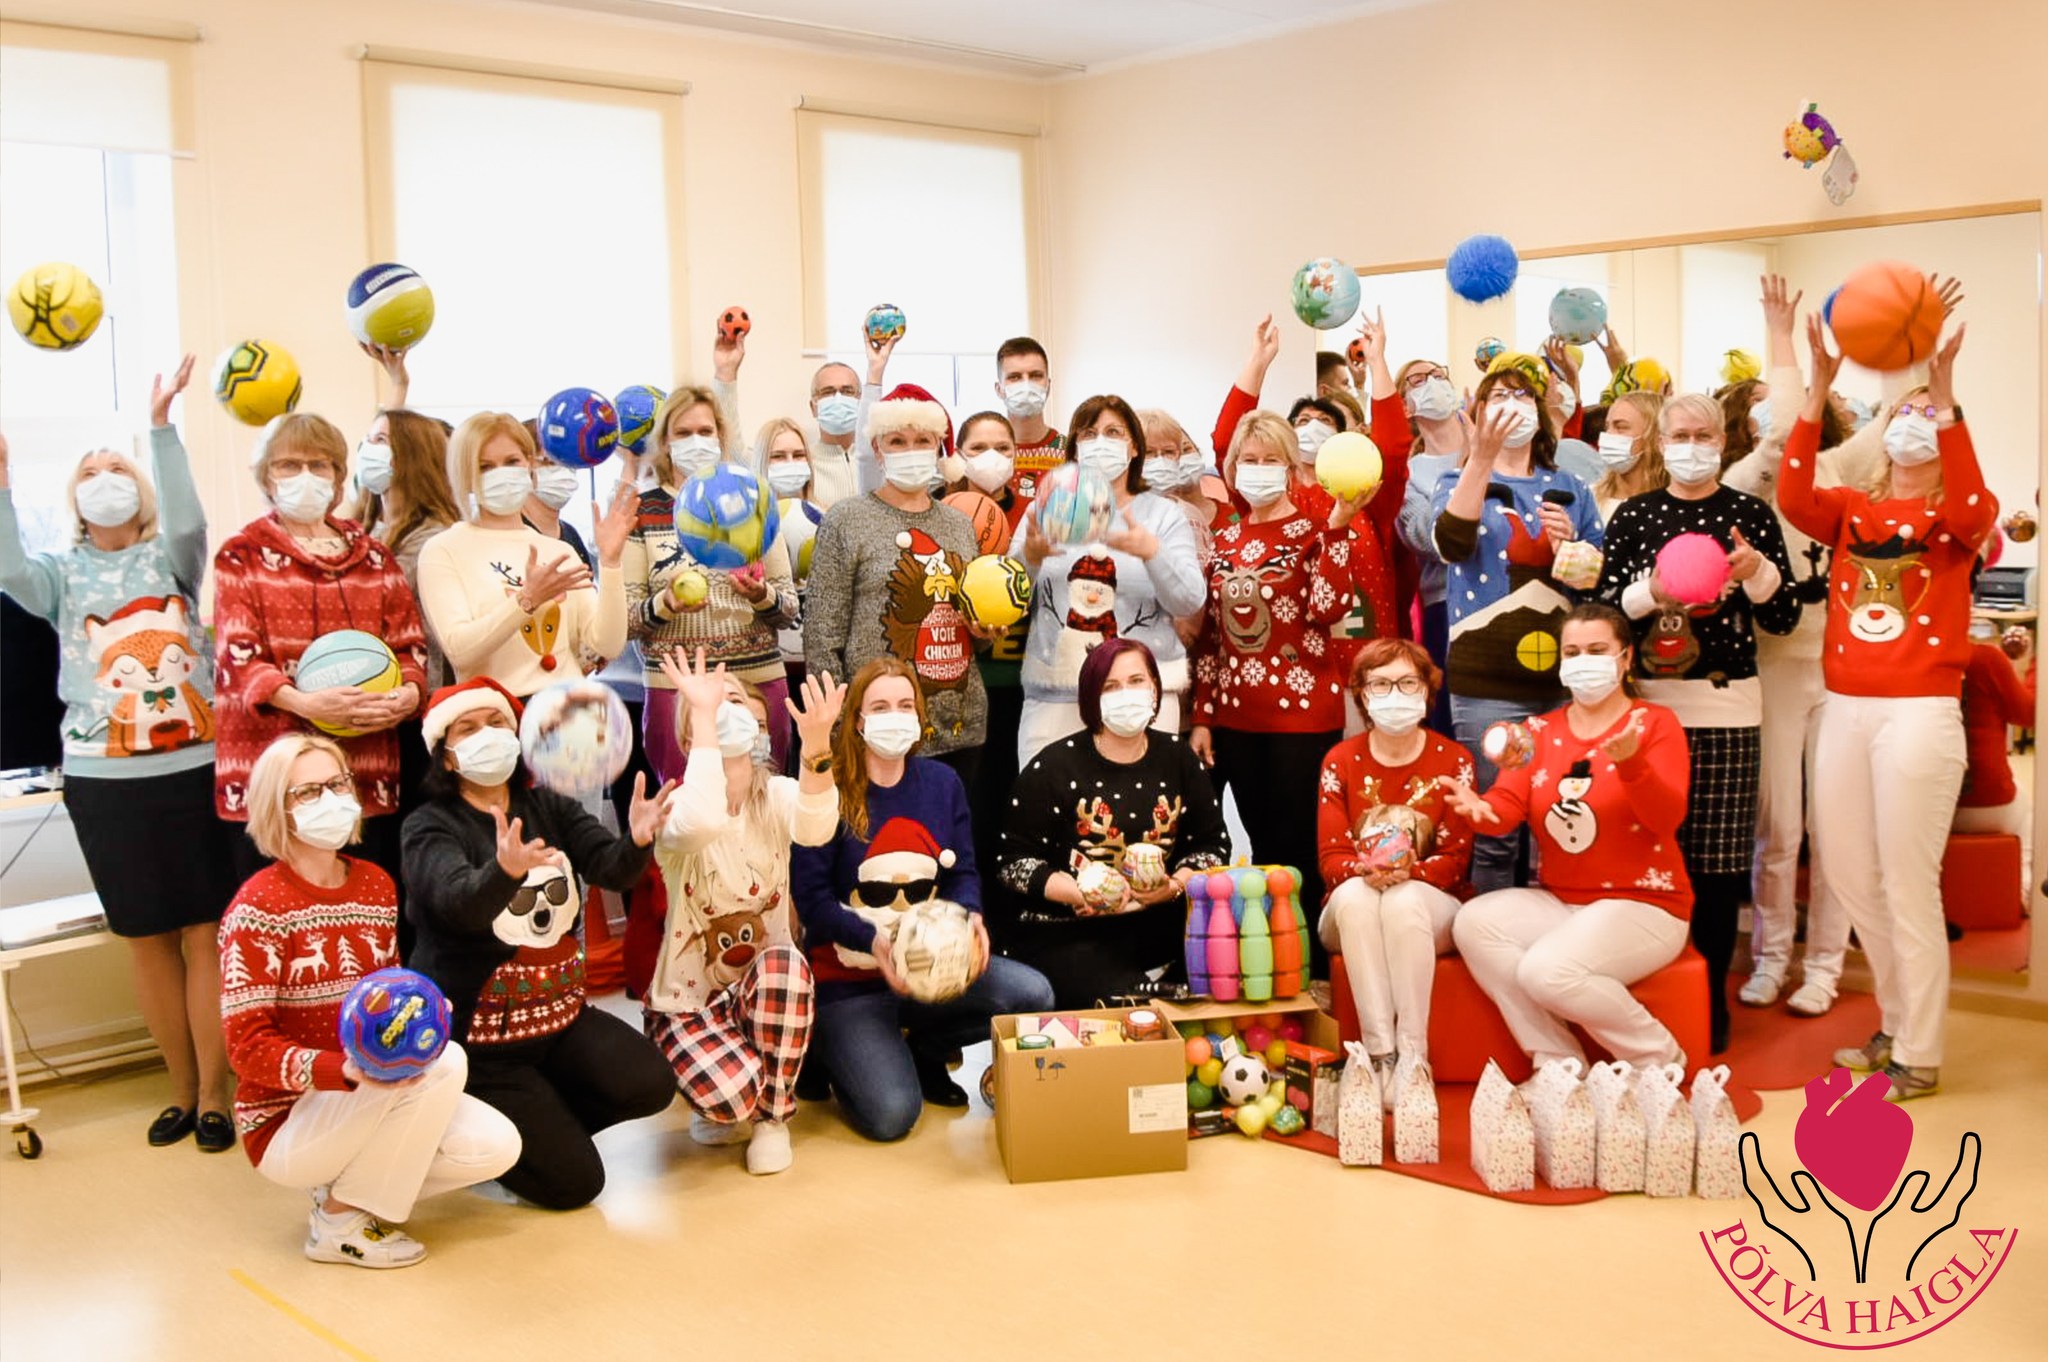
[
  {"x": 1980, "y": 881},
  {"x": 1466, "y": 1030}
]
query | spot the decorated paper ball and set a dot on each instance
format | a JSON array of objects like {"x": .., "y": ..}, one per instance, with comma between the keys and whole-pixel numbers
[
  {"x": 1288, "y": 1120},
  {"x": 1102, "y": 888},
  {"x": 991, "y": 526},
  {"x": 55, "y": 306},
  {"x": 1809, "y": 138},
  {"x": 1887, "y": 316},
  {"x": 933, "y": 951},
  {"x": 1482, "y": 268},
  {"x": 995, "y": 591},
  {"x": 1508, "y": 744},
  {"x": 1740, "y": 366},
  {"x": 346, "y": 657},
  {"x": 257, "y": 381},
  {"x": 1487, "y": 351},
  {"x": 884, "y": 322},
  {"x": 394, "y": 1024},
  {"x": 1245, "y": 1080},
  {"x": 1325, "y": 293},
  {"x": 1349, "y": 465},
  {"x": 636, "y": 408},
  {"x": 1577, "y": 315},
  {"x": 390, "y": 305},
  {"x": 576, "y": 737},
  {"x": 1693, "y": 568},
  {"x": 579, "y": 428},
  {"x": 691, "y": 588},
  {"x": 1385, "y": 847},
  {"x": 1074, "y": 505},
  {"x": 724, "y": 517}
]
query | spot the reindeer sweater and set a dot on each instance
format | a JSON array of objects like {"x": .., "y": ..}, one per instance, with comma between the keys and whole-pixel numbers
[
  {"x": 1357, "y": 791},
  {"x": 1899, "y": 598},
  {"x": 729, "y": 628},
  {"x": 135, "y": 676},
  {"x": 469, "y": 581},
  {"x": 289, "y": 951},
  {"x": 1265, "y": 663}
]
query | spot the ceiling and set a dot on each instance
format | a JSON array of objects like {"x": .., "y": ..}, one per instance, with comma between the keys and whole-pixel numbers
[{"x": 1047, "y": 38}]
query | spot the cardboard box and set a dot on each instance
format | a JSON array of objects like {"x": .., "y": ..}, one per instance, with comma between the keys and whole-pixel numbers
[
  {"x": 1092, "y": 1111},
  {"x": 1312, "y": 1075},
  {"x": 1320, "y": 1027}
]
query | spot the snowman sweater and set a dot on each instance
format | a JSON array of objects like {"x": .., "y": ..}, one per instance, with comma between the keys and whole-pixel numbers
[
  {"x": 1604, "y": 829},
  {"x": 1264, "y": 663},
  {"x": 1899, "y": 602}
]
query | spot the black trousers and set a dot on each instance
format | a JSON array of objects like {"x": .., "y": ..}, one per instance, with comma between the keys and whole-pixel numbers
[
  {"x": 561, "y": 1090},
  {"x": 1717, "y": 901},
  {"x": 1275, "y": 778}
]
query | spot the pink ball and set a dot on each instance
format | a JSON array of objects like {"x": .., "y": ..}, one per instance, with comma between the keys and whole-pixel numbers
[
  {"x": 1257, "y": 1038},
  {"x": 1693, "y": 568},
  {"x": 1291, "y": 1028}
]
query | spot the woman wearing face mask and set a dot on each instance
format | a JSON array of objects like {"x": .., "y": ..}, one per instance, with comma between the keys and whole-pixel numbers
[
  {"x": 1391, "y": 921},
  {"x": 553, "y": 486},
  {"x": 1605, "y": 794},
  {"x": 1890, "y": 752},
  {"x": 727, "y": 994},
  {"x": 1497, "y": 527},
  {"x": 505, "y": 600},
  {"x": 1144, "y": 786},
  {"x": 1437, "y": 438},
  {"x": 1699, "y": 660},
  {"x": 1174, "y": 467},
  {"x": 782, "y": 460},
  {"x": 903, "y": 838},
  {"x": 402, "y": 467},
  {"x": 286, "y": 579},
  {"x": 138, "y": 734},
  {"x": 497, "y": 868},
  {"x": 1630, "y": 453},
  {"x": 1145, "y": 574},
  {"x": 367, "y": 1150}
]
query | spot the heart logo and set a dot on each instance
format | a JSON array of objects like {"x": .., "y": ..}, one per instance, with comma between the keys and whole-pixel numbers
[{"x": 1851, "y": 1139}]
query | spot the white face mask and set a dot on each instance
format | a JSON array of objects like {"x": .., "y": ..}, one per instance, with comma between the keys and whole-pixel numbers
[
  {"x": 373, "y": 467},
  {"x": 1262, "y": 484},
  {"x": 1910, "y": 440},
  {"x": 1525, "y": 426},
  {"x": 554, "y": 485},
  {"x": 502, "y": 491},
  {"x": 1434, "y": 400},
  {"x": 1618, "y": 452},
  {"x": 1692, "y": 463},
  {"x": 911, "y": 470},
  {"x": 1104, "y": 454},
  {"x": 1590, "y": 677},
  {"x": 990, "y": 470},
  {"x": 1023, "y": 398},
  {"x": 328, "y": 822},
  {"x": 737, "y": 729},
  {"x": 789, "y": 477},
  {"x": 693, "y": 454},
  {"x": 109, "y": 499},
  {"x": 1396, "y": 714},
  {"x": 487, "y": 756},
  {"x": 1164, "y": 473},
  {"x": 1193, "y": 468},
  {"x": 1760, "y": 415},
  {"x": 890, "y": 734},
  {"x": 837, "y": 413},
  {"x": 1310, "y": 436},
  {"x": 303, "y": 496},
  {"x": 1126, "y": 712}
]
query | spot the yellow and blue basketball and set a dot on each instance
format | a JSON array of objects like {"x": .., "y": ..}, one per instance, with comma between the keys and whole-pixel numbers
[
  {"x": 725, "y": 518},
  {"x": 257, "y": 381},
  {"x": 346, "y": 657},
  {"x": 390, "y": 305},
  {"x": 636, "y": 407},
  {"x": 995, "y": 591},
  {"x": 55, "y": 306},
  {"x": 800, "y": 521}
]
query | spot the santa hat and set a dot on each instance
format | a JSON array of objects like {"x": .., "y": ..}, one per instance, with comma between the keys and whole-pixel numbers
[
  {"x": 903, "y": 850},
  {"x": 452, "y": 702},
  {"x": 909, "y": 407},
  {"x": 918, "y": 542},
  {"x": 1093, "y": 567}
]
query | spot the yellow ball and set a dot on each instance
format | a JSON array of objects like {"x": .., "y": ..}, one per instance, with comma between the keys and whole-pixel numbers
[
  {"x": 55, "y": 306},
  {"x": 257, "y": 381},
  {"x": 1349, "y": 465},
  {"x": 995, "y": 591}
]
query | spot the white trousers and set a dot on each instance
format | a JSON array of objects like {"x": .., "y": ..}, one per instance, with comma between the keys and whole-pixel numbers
[
  {"x": 1889, "y": 770},
  {"x": 1792, "y": 691},
  {"x": 2015, "y": 819},
  {"x": 1390, "y": 940},
  {"x": 383, "y": 1148},
  {"x": 1545, "y": 962},
  {"x": 1045, "y": 722}
]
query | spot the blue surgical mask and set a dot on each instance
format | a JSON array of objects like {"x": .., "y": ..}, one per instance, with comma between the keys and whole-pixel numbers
[
  {"x": 1760, "y": 415},
  {"x": 373, "y": 468},
  {"x": 837, "y": 413}
]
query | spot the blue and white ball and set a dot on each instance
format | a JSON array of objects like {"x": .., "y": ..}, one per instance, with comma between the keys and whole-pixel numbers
[
  {"x": 390, "y": 305},
  {"x": 725, "y": 518},
  {"x": 1577, "y": 315},
  {"x": 1074, "y": 505},
  {"x": 578, "y": 428}
]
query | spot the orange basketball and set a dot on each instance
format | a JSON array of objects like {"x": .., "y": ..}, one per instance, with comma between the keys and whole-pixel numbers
[
  {"x": 991, "y": 526},
  {"x": 1886, "y": 316}
]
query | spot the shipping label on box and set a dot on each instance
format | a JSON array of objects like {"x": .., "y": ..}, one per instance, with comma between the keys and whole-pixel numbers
[{"x": 1095, "y": 1110}]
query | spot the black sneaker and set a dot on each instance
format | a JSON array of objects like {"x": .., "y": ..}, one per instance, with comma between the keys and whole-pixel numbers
[
  {"x": 171, "y": 1125},
  {"x": 937, "y": 1084}
]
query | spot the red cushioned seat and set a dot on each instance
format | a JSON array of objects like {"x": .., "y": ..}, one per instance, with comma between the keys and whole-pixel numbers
[
  {"x": 1466, "y": 1030},
  {"x": 1980, "y": 881}
]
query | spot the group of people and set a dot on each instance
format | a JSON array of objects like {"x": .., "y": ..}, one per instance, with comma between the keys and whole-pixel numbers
[{"x": 814, "y": 750}]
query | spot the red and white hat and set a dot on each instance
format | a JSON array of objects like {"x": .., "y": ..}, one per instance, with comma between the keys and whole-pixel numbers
[
  {"x": 909, "y": 407},
  {"x": 452, "y": 702},
  {"x": 903, "y": 850},
  {"x": 1093, "y": 567},
  {"x": 920, "y": 544}
]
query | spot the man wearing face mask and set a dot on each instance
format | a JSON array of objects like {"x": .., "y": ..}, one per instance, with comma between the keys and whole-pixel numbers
[
  {"x": 835, "y": 405},
  {"x": 1023, "y": 382},
  {"x": 286, "y": 579}
]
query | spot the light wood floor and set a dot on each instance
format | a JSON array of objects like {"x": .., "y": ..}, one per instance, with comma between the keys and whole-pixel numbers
[{"x": 110, "y": 1250}]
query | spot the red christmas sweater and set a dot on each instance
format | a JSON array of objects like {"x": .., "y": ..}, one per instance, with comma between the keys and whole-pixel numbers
[
  {"x": 271, "y": 599},
  {"x": 1358, "y": 791},
  {"x": 1899, "y": 622},
  {"x": 1028, "y": 468},
  {"x": 1264, "y": 662},
  {"x": 1604, "y": 829},
  {"x": 289, "y": 951},
  {"x": 1993, "y": 698}
]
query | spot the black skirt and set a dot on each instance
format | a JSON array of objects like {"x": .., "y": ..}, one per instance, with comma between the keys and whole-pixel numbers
[
  {"x": 1718, "y": 836},
  {"x": 159, "y": 855}
]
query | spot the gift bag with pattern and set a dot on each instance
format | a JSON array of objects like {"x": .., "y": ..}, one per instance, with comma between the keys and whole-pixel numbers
[
  {"x": 1561, "y": 1111},
  {"x": 1361, "y": 1123},
  {"x": 1717, "y": 1160},
  {"x": 1503, "y": 1141},
  {"x": 1619, "y": 1138},
  {"x": 1667, "y": 1125},
  {"x": 1415, "y": 1114}
]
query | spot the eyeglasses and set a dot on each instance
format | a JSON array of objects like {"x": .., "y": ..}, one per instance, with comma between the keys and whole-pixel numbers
[
  {"x": 289, "y": 466},
  {"x": 1422, "y": 376},
  {"x": 1380, "y": 687},
  {"x": 874, "y": 895},
  {"x": 1908, "y": 409},
  {"x": 299, "y": 796}
]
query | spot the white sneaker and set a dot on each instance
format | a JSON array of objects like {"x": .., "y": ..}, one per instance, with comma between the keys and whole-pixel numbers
[
  {"x": 1762, "y": 989},
  {"x": 1811, "y": 999},
  {"x": 361, "y": 1240},
  {"x": 704, "y": 1130},
  {"x": 768, "y": 1149}
]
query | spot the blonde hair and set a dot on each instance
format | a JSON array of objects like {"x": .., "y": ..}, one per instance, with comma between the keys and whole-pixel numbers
[
  {"x": 1649, "y": 473},
  {"x": 682, "y": 399},
  {"x": 1265, "y": 425},
  {"x": 145, "y": 513},
  {"x": 1152, "y": 418},
  {"x": 466, "y": 453},
  {"x": 302, "y": 431},
  {"x": 270, "y": 824},
  {"x": 764, "y": 438}
]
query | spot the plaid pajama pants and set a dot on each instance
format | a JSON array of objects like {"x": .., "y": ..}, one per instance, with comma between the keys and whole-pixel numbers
[{"x": 737, "y": 1059}]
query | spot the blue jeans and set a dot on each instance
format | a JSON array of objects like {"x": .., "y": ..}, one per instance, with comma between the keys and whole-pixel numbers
[
  {"x": 1493, "y": 858},
  {"x": 871, "y": 1042}
]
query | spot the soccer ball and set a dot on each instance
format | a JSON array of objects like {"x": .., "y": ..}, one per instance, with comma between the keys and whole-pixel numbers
[
  {"x": 394, "y": 1024},
  {"x": 734, "y": 323},
  {"x": 257, "y": 381},
  {"x": 636, "y": 408},
  {"x": 576, "y": 737},
  {"x": 346, "y": 657},
  {"x": 932, "y": 949},
  {"x": 579, "y": 428},
  {"x": 55, "y": 306},
  {"x": 390, "y": 305},
  {"x": 995, "y": 591},
  {"x": 800, "y": 521},
  {"x": 1244, "y": 1080},
  {"x": 1074, "y": 505},
  {"x": 725, "y": 518}
]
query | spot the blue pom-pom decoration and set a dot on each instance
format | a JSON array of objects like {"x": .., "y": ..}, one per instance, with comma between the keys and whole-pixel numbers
[{"x": 1482, "y": 268}]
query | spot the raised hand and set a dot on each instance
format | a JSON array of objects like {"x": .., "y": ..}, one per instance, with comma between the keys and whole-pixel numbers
[
  {"x": 1133, "y": 538},
  {"x": 1780, "y": 312},
  {"x": 546, "y": 583},
  {"x": 1466, "y": 801},
  {"x": 516, "y": 855},
  {"x": 160, "y": 394},
  {"x": 647, "y": 813},
  {"x": 1560, "y": 356},
  {"x": 615, "y": 524},
  {"x": 1037, "y": 548},
  {"x": 391, "y": 360},
  {"x": 822, "y": 699},
  {"x": 1743, "y": 560},
  {"x": 1611, "y": 346},
  {"x": 1628, "y": 741},
  {"x": 1949, "y": 290},
  {"x": 1826, "y": 363},
  {"x": 727, "y": 354},
  {"x": 1344, "y": 510},
  {"x": 1941, "y": 370},
  {"x": 1265, "y": 342},
  {"x": 1490, "y": 434},
  {"x": 1372, "y": 337},
  {"x": 879, "y": 352},
  {"x": 702, "y": 687}
]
